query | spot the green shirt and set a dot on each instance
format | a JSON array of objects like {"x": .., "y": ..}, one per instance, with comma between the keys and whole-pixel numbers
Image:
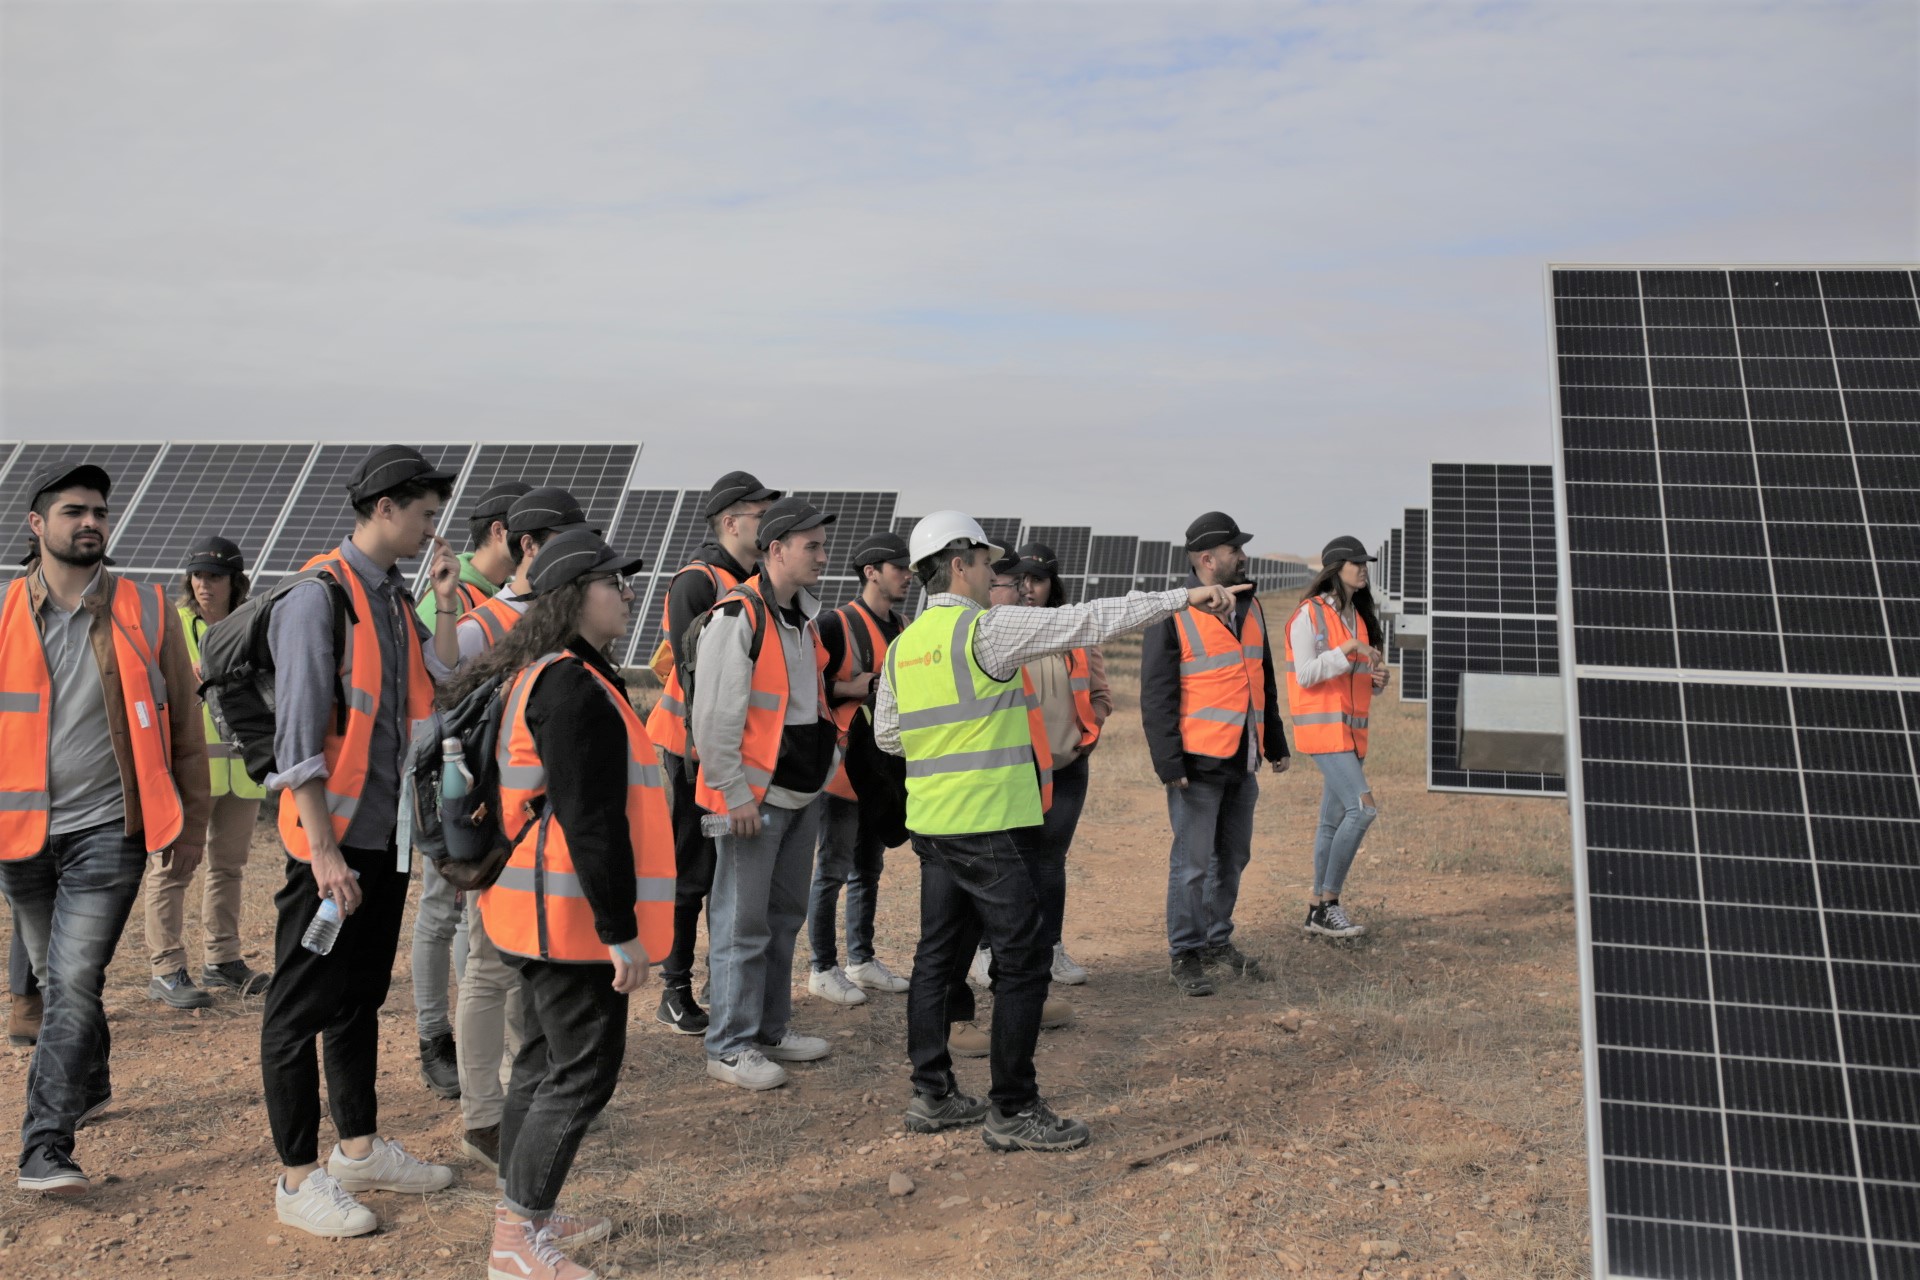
[{"x": 429, "y": 606}]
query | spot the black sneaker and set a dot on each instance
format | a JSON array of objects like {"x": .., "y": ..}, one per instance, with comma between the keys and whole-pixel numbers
[
  {"x": 177, "y": 990},
  {"x": 931, "y": 1115},
  {"x": 484, "y": 1145},
  {"x": 52, "y": 1173},
  {"x": 1330, "y": 919},
  {"x": 1235, "y": 961},
  {"x": 1190, "y": 974},
  {"x": 678, "y": 1010},
  {"x": 1034, "y": 1129},
  {"x": 439, "y": 1067},
  {"x": 236, "y": 976}
]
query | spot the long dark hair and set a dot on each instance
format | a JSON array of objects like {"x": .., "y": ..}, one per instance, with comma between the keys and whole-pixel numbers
[
  {"x": 549, "y": 622},
  {"x": 241, "y": 586},
  {"x": 1328, "y": 580}
]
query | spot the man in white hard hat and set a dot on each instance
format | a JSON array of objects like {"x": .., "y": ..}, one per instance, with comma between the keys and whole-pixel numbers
[{"x": 953, "y": 701}]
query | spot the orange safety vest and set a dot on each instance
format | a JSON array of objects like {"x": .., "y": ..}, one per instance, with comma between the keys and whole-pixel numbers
[
  {"x": 766, "y": 701},
  {"x": 494, "y": 616},
  {"x": 1080, "y": 680},
  {"x": 1222, "y": 683},
  {"x": 346, "y": 753},
  {"x": 26, "y": 731},
  {"x": 851, "y": 666},
  {"x": 471, "y": 596},
  {"x": 667, "y": 723},
  {"x": 1332, "y": 715},
  {"x": 537, "y": 907}
]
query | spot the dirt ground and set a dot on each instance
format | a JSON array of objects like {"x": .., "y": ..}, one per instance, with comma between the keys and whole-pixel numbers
[{"x": 1406, "y": 1105}]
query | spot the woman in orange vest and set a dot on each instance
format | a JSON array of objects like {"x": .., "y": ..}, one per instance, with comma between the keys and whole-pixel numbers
[
  {"x": 586, "y": 901},
  {"x": 1333, "y": 671}
]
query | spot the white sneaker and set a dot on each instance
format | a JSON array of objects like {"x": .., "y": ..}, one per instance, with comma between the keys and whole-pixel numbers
[
  {"x": 749, "y": 1069},
  {"x": 322, "y": 1207},
  {"x": 794, "y": 1047},
  {"x": 388, "y": 1168},
  {"x": 977, "y": 971},
  {"x": 834, "y": 986},
  {"x": 1065, "y": 971},
  {"x": 875, "y": 976}
]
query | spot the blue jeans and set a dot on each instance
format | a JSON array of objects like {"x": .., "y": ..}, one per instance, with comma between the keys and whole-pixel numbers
[
  {"x": 71, "y": 901},
  {"x": 754, "y": 915},
  {"x": 1344, "y": 819},
  {"x": 439, "y": 931},
  {"x": 1212, "y": 842},
  {"x": 850, "y": 859}
]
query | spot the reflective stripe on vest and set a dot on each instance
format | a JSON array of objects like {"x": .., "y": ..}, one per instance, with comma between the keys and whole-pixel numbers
[
  {"x": 851, "y": 666},
  {"x": 1080, "y": 681},
  {"x": 1330, "y": 716},
  {"x": 137, "y": 615},
  {"x": 1223, "y": 687},
  {"x": 537, "y": 907},
  {"x": 976, "y": 747},
  {"x": 667, "y": 723},
  {"x": 346, "y": 753},
  {"x": 766, "y": 698},
  {"x": 494, "y": 616},
  {"x": 224, "y": 767}
]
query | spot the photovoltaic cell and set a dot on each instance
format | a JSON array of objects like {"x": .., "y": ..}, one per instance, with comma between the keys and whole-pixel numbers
[
  {"x": 319, "y": 516},
  {"x": 1413, "y": 598},
  {"x": 234, "y": 490},
  {"x": 1738, "y": 454}
]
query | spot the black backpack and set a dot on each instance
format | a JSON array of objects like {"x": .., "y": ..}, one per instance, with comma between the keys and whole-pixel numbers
[
  {"x": 460, "y": 835},
  {"x": 236, "y": 670}
]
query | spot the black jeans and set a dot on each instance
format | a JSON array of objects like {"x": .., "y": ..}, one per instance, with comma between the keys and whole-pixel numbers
[
  {"x": 854, "y": 858},
  {"x": 563, "y": 1075},
  {"x": 693, "y": 864},
  {"x": 336, "y": 997},
  {"x": 20, "y": 979},
  {"x": 1052, "y": 838},
  {"x": 971, "y": 886}
]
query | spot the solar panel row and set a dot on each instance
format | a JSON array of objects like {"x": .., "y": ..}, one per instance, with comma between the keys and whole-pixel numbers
[{"x": 1413, "y": 601}]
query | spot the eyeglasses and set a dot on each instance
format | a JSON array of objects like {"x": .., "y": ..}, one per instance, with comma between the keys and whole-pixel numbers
[{"x": 619, "y": 583}]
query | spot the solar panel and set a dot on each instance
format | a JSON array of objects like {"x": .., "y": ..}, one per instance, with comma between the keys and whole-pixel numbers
[
  {"x": 903, "y": 525},
  {"x": 1493, "y": 603},
  {"x": 1071, "y": 545},
  {"x": 125, "y": 464},
  {"x": 688, "y": 531},
  {"x": 1111, "y": 561},
  {"x": 1740, "y": 554},
  {"x": 1002, "y": 531},
  {"x": 318, "y": 517},
  {"x": 234, "y": 490},
  {"x": 1413, "y": 602},
  {"x": 861, "y": 514},
  {"x": 1151, "y": 574},
  {"x": 645, "y": 518}
]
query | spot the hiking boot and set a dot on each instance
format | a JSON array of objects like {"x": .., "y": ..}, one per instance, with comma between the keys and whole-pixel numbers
[
  {"x": 794, "y": 1047},
  {"x": 322, "y": 1207},
  {"x": 980, "y": 972},
  {"x": 1330, "y": 919},
  {"x": 1190, "y": 974},
  {"x": 93, "y": 1113},
  {"x": 678, "y": 1010},
  {"x": 528, "y": 1251},
  {"x": 1035, "y": 1128},
  {"x": 749, "y": 1069},
  {"x": 1233, "y": 960},
  {"x": 235, "y": 974},
  {"x": 1055, "y": 1013},
  {"x": 483, "y": 1145},
  {"x": 177, "y": 989},
  {"x": 439, "y": 1067},
  {"x": 1065, "y": 971},
  {"x": 52, "y": 1173},
  {"x": 931, "y": 1115},
  {"x": 572, "y": 1230},
  {"x": 23, "y": 1020},
  {"x": 969, "y": 1040},
  {"x": 387, "y": 1167},
  {"x": 875, "y": 976},
  {"x": 835, "y": 987}
]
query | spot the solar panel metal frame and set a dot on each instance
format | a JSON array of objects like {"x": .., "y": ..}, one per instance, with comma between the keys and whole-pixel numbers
[
  {"x": 1416, "y": 526},
  {"x": 1905, "y": 692}
]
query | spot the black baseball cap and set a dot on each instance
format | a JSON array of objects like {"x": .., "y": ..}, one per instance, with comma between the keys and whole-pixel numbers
[
  {"x": 881, "y": 548},
  {"x": 497, "y": 501},
  {"x": 1215, "y": 529},
  {"x": 67, "y": 473},
  {"x": 549, "y": 508},
  {"x": 1344, "y": 547},
  {"x": 736, "y": 486},
  {"x": 389, "y": 468},
  {"x": 1035, "y": 560},
  {"x": 574, "y": 554},
  {"x": 787, "y": 517},
  {"x": 212, "y": 553}
]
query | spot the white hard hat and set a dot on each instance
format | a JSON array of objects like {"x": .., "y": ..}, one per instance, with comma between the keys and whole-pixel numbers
[{"x": 936, "y": 531}]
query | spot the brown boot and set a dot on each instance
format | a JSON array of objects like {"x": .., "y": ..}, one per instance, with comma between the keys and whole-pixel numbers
[
  {"x": 524, "y": 1251},
  {"x": 23, "y": 1020}
]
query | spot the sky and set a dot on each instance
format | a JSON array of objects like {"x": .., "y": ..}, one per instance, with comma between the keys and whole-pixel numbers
[{"x": 1115, "y": 263}]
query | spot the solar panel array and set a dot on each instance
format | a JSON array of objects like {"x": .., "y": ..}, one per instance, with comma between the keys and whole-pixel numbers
[
  {"x": 235, "y": 490},
  {"x": 1493, "y": 588},
  {"x": 318, "y": 516},
  {"x": 1740, "y": 462},
  {"x": 1413, "y": 601}
]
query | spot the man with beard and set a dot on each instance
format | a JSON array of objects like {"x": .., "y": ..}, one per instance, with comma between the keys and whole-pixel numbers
[
  {"x": 102, "y": 764},
  {"x": 1211, "y": 709}
]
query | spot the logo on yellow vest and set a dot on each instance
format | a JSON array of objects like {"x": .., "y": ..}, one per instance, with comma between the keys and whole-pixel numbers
[{"x": 931, "y": 658}]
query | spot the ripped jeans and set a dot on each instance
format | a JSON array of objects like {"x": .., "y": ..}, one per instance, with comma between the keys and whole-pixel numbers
[{"x": 1346, "y": 811}]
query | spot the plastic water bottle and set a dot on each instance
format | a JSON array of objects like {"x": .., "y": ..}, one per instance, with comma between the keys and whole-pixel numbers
[
  {"x": 325, "y": 929},
  {"x": 455, "y": 780}
]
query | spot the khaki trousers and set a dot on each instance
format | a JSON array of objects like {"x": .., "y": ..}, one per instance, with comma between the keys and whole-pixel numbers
[
  {"x": 229, "y": 832},
  {"x": 490, "y": 1025}
]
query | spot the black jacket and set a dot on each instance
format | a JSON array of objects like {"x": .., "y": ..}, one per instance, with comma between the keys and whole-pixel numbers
[
  {"x": 691, "y": 594},
  {"x": 1160, "y": 702}
]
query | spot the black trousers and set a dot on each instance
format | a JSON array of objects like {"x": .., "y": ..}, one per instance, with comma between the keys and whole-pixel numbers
[
  {"x": 20, "y": 980},
  {"x": 563, "y": 1075},
  {"x": 335, "y": 998},
  {"x": 693, "y": 862}
]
